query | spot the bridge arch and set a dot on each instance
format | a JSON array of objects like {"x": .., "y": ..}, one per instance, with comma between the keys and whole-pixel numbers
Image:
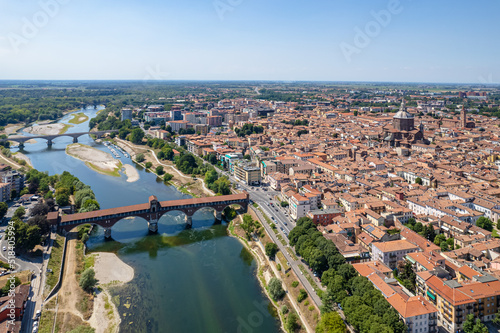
[{"x": 172, "y": 221}]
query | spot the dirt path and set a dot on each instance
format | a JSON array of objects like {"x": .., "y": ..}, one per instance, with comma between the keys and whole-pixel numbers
[{"x": 68, "y": 294}]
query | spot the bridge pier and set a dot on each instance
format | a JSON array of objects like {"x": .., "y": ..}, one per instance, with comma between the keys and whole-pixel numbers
[
  {"x": 75, "y": 139},
  {"x": 153, "y": 226},
  {"x": 107, "y": 233},
  {"x": 189, "y": 222},
  {"x": 218, "y": 217},
  {"x": 49, "y": 142}
]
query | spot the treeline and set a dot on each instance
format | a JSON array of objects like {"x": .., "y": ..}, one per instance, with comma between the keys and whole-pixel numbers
[
  {"x": 248, "y": 129},
  {"x": 65, "y": 185},
  {"x": 364, "y": 306},
  {"x": 271, "y": 95},
  {"x": 189, "y": 164},
  {"x": 108, "y": 119},
  {"x": 297, "y": 122}
]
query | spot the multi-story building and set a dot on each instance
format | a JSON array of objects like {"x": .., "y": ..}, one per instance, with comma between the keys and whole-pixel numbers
[
  {"x": 126, "y": 114},
  {"x": 391, "y": 252},
  {"x": 299, "y": 206},
  {"x": 419, "y": 315},
  {"x": 15, "y": 179},
  {"x": 324, "y": 216},
  {"x": 5, "y": 192},
  {"x": 455, "y": 300},
  {"x": 177, "y": 125},
  {"x": 214, "y": 121},
  {"x": 247, "y": 173}
]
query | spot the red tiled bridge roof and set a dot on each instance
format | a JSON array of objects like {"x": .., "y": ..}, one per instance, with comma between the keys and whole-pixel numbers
[{"x": 145, "y": 208}]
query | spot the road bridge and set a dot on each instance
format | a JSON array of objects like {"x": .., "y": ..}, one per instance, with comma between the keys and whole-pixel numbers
[{"x": 22, "y": 139}]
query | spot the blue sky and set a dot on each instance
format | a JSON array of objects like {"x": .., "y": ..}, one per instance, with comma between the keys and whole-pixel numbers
[{"x": 334, "y": 40}]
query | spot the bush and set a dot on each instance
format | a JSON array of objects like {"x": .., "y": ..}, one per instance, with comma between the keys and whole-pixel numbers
[
  {"x": 278, "y": 267},
  {"x": 149, "y": 165},
  {"x": 168, "y": 177},
  {"x": 302, "y": 295},
  {"x": 295, "y": 284},
  {"x": 284, "y": 309},
  {"x": 140, "y": 158},
  {"x": 87, "y": 279}
]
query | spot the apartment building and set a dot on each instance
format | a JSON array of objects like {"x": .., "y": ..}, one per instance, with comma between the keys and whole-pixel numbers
[
  {"x": 391, "y": 252},
  {"x": 299, "y": 206},
  {"x": 247, "y": 173}
]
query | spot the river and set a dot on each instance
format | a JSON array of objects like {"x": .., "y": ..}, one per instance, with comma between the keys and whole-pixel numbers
[{"x": 197, "y": 280}]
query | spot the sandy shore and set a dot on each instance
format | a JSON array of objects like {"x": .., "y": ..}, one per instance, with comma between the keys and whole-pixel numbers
[
  {"x": 51, "y": 129},
  {"x": 131, "y": 172},
  {"x": 94, "y": 158},
  {"x": 108, "y": 269},
  {"x": 21, "y": 156}
]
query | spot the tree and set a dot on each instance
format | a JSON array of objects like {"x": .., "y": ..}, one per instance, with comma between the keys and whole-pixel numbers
[
  {"x": 471, "y": 326},
  {"x": 62, "y": 199},
  {"x": 439, "y": 238},
  {"x": 160, "y": 155},
  {"x": 159, "y": 170},
  {"x": 271, "y": 250},
  {"x": 248, "y": 225},
  {"x": 485, "y": 223},
  {"x": 275, "y": 289},
  {"x": 140, "y": 158},
  {"x": 136, "y": 135},
  {"x": 291, "y": 322},
  {"x": 168, "y": 177},
  {"x": 496, "y": 320},
  {"x": 418, "y": 181},
  {"x": 331, "y": 323},
  {"x": 41, "y": 222},
  {"x": 3, "y": 209},
  {"x": 149, "y": 165},
  {"x": 87, "y": 279},
  {"x": 19, "y": 213},
  {"x": 40, "y": 209},
  {"x": 444, "y": 246}
]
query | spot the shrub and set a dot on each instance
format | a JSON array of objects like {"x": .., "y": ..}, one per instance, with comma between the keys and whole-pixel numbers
[{"x": 302, "y": 295}]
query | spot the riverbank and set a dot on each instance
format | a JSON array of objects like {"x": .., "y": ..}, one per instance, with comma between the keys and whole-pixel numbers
[
  {"x": 95, "y": 159},
  {"x": 48, "y": 129},
  {"x": 109, "y": 271},
  {"x": 183, "y": 183},
  {"x": 264, "y": 271}
]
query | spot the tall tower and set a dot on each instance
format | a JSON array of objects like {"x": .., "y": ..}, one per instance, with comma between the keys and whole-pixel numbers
[{"x": 463, "y": 117}]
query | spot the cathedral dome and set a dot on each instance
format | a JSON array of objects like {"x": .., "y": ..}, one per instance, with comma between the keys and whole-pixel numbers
[{"x": 402, "y": 113}]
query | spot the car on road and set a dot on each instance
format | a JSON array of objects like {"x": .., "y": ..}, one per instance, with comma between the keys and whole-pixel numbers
[
  {"x": 272, "y": 217},
  {"x": 285, "y": 223},
  {"x": 4, "y": 248},
  {"x": 38, "y": 313}
]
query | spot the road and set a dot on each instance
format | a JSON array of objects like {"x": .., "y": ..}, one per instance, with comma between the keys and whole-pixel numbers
[{"x": 36, "y": 265}]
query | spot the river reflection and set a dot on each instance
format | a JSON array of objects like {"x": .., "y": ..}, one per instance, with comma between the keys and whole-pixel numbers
[{"x": 197, "y": 280}]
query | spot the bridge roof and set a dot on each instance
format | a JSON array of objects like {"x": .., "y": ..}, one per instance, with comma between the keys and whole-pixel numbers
[{"x": 146, "y": 206}]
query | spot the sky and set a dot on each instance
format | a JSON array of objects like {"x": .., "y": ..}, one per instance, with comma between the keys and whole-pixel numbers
[{"x": 319, "y": 40}]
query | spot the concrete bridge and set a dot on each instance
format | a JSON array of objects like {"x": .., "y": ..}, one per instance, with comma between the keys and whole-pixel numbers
[
  {"x": 22, "y": 139},
  {"x": 151, "y": 211}
]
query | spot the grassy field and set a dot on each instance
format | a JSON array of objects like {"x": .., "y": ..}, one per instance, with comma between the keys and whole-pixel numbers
[
  {"x": 65, "y": 128},
  {"x": 54, "y": 264},
  {"x": 78, "y": 118}
]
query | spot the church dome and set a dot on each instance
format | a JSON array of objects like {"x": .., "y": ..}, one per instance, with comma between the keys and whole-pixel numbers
[{"x": 402, "y": 113}]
